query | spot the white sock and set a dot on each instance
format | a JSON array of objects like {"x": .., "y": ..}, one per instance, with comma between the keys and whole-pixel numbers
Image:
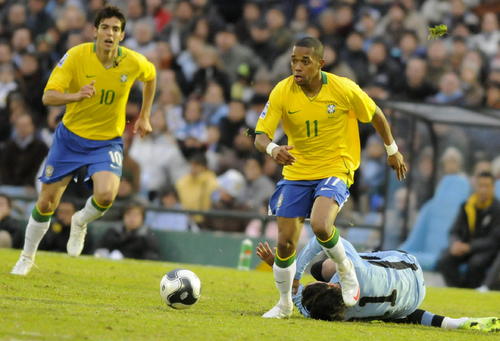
[
  {"x": 337, "y": 254},
  {"x": 89, "y": 213},
  {"x": 451, "y": 323},
  {"x": 34, "y": 234},
  {"x": 283, "y": 277}
]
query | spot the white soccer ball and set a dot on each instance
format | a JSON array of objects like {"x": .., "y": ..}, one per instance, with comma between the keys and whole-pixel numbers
[{"x": 180, "y": 288}]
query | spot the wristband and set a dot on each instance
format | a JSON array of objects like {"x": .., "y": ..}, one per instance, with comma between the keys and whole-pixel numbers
[
  {"x": 392, "y": 148},
  {"x": 270, "y": 147}
]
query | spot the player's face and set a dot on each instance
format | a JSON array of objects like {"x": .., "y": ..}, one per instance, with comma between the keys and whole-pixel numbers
[
  {"x": 109, "y": 34},
  {"x": 305, "y": 65}
]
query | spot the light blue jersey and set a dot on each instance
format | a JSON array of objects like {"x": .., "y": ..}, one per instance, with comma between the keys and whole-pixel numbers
[{"x": 391, "y": 282}]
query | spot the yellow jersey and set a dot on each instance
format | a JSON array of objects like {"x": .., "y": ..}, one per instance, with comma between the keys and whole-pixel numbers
[
  {"x": 323, "y": 130},
  {"x": 101, "y": 117}
]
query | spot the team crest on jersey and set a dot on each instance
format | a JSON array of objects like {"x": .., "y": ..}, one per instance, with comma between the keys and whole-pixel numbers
[
  {"x": 61, "y": 61},
  {"x": 49, "y": 170},
  {"x": 330, "y": 108},
  {"x": 264, "y": 111},
  {"x": 123, "y": 78}
]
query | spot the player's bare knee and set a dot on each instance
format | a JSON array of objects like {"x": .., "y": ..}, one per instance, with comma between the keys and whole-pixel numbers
[
  {"x": 104, "y": 198},
  {"x": 321, "y": 227},
  {"x": 286, "y": 248},
  {"x": 47, "y": 204}
]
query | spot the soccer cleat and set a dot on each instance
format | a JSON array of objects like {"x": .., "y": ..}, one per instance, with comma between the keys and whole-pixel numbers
[
  {"x": 76, "y": 237},
  {"x": 278, "y": 312},
  {"x": 484, "y": 324},
  {"x": 349, "y": 284},
  {"x": 23, "y": 266}
]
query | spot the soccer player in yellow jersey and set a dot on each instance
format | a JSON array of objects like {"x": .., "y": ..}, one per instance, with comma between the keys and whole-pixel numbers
[
  {"x": 93, "y": 80},
  {"x": 319, "y": 112}
]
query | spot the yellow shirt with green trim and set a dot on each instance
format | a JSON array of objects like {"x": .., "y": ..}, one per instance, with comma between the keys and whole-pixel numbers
[
  {"x": 323, "y": 130},
  {"x": 101, "y": 117}
]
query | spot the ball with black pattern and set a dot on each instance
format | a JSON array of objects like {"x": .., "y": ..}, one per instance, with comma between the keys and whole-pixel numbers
[{"x": 180, "y": 288}]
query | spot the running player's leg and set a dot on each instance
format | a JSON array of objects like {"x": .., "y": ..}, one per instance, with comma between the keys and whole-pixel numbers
[
  {"x": 285, "y": 265},
  {"x": 324, "y": 212},
  {"x": 105, "y": 189},
  {"x": 39, "y": 222}
]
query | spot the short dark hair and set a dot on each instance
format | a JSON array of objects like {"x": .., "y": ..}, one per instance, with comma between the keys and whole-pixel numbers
[
  {"x": 110, "y": 12},
  {"x": 324, "y": 302},
  {"x": 312, "y": 43}
]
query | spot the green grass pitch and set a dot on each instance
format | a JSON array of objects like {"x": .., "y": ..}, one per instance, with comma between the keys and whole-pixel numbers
[{"x": 96, "y": 299}]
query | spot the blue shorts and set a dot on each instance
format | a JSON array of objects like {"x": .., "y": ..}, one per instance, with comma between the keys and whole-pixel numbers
[
  {"x": 70, "y": 152},
  {"x": 294, "y": 199}
]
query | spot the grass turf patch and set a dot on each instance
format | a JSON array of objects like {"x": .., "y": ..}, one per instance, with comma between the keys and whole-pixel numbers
[{"x": 96, "y": 299}]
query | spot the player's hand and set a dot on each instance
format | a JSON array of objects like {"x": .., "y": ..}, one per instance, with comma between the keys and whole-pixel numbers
[
  {"x": 295, "y": 286},
  {"x": 282, "y": 156},
  {"x": 87, "y": 91},
  {"x": 397, "y": 162},
  {"x": 265, "y": 253},
  {"x": 143, "y": 126}
]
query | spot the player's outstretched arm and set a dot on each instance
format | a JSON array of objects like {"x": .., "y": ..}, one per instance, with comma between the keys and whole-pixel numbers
[
  {"x": 395, "y": 158},
  {"x": 143, "y": 125},
  {"x": 54, "y": 97},
  {"x": 280, "y": 154}
]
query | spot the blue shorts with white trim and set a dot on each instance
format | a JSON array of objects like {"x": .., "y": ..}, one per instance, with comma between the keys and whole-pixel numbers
[
  {"x": 70, "y": 152},
  {"x": 294, "y": 199}
]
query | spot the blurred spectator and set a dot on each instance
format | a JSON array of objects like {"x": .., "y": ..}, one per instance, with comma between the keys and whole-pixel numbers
[
  {"x": 132, "y": 239},
  {"x": 195, "y": 188},
  {"x": 251, "y": 14},
  {"x": 210, "y": 70},
  {"x": 475, "y": 237},
  {"x": 228, "y": 196},
  {"x": 280, "y": 34},
  {"x": 39, "y": 20},
  {"x": 437, "y": 61},
  {"x": 259, "y": 187},
  {"x": 470, "y": 74},
  {"x": 262, "y": 44},
  {"x": 232, "y": 124},
  {"x": 160, "y": 15},
  {"x": 415, "y": 86},
  {"x": 233, "y": 55},
  {"x": 458, "y": 50},
  {"x": 142, "y": 37},
  {"x": 383, "y": 72},
  {"x": 354, "y": 55},
  {"x": 450, "y": 91},
  {"x": 57, "y": 236},
  {"x": 407, "y": 48},
  {"x": 300, "y": 20},
  {"x": 459, "y": 13},
  {"x": 493, "y": 95},
  {"x": 135, "y": 11},
  {"x": 10, "y": 229},
  {"x": 160, "y": 160},
  {"x": 488, "y": 39},
  {"x": 214, "y": 105},
  {"x": 164, "y": 220},
  {"x": 187, "y": 59},
  {"x": 337, "y": 66},
  {"x": 192, "y": 136},
  {"x": 372, "y": 174},
  {"x": 178, "y": 28},
  {"x": 31, "y": 83},
  {"x": 452, "y": 161},
  {"x": 22, "y": 155}
]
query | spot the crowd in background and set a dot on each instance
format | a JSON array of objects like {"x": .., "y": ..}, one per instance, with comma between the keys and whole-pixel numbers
[{"x": 217, "y": 62}]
